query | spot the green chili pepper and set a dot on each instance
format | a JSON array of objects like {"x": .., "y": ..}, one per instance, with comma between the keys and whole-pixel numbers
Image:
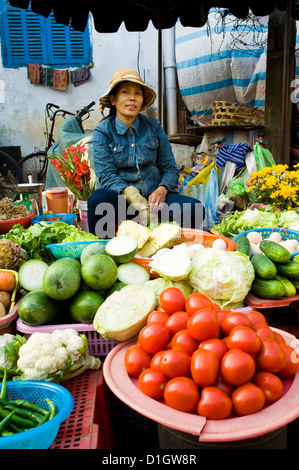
[
  {"x": 6, "y": 433},
  {"x": 5, "y": 420},
  {"x": 52, "y": 408},
  {"x": 8, "y": 371},
  {"x": 28, "y": 414},
  {"x": 18, "y": 420},
  {"x": 45, "y": 418},
  {"x": 28, "y": 405},
  {"x": 4, "y": 386}
]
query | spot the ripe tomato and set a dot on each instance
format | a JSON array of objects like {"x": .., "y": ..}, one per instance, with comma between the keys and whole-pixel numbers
[
  {"x": 237, "y": 367},
  {"x": 214, "y": 403},
  {"x": 136, "y": 360},
  {"x": 221, "y": 314},
  {"x": 279, "y": 338},
  {"x": 244, "y": 338},
  {"x": 264, "y": 331},
  {"x": 177, "y": 321},
  {"x": 270, "y": 384},
  {"x": 271, "y": 357},
  {"x": 175, "y": 363},
  {"x": 216, "y": 345},
  {"x": 247, "y": 399},
  {"x": 152, "y": 383},
  {"x": 196, "y": 302},
  {"x": 216, "y": 306},
  {"x": 203, "y": 324},
  {"x": 204, "y": 367},
  {"x": 183, "y": 341},
  {"x": 156, "y": 360},
  {"x": 256, "y": 317},
  {"x": 182, "y": 394},
  {"x": 171, "y": 300},
  {"x": 222, "y": 385},
  {"x": 292, "y": 362},
  {"x": 158, "y": 317},
  {"x": 154, "y": 337},
  {"x": 233, "y": 319}
]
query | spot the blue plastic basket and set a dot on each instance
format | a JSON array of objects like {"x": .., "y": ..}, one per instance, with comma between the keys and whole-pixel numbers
[
  {"x": 36, "y": 392},
  {"x": 71, "y": 249},
  {"x": 286, "y": 234},
  {"x": 64, "y": 217}
]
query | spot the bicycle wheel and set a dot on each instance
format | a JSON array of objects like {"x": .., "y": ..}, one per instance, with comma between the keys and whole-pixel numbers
[
  {"x": 10, "y": 174},
  {"x": 35, "y": 164}
]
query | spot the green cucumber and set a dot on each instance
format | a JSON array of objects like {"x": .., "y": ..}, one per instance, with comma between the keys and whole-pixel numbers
[
  {"x": 132, "y": 273},
  {"x": 243, "y": 245},
  {"x": 274, "y": 251},
  {"x": 263, "y": 266},
  {"x": 267, "y": 288},
  {"x": 296, "y": 283},
  {"x": 289, "y": 269},
  {"x": 31, "y": 274},
  {"x": 122, "y": 248},
  {"x": 288, "y": 285}
]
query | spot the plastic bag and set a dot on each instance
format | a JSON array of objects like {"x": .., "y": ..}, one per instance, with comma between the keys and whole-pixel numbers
[
  {"x": 237, "y": 189},
  {"x": 263, "y": 157},
  {"x": 207, "y": 194}
]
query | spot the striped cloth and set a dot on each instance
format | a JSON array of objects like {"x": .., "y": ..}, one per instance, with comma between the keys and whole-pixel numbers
[
  {"x": 233, "y": 153},
  {"x": 212, "y": 66}
]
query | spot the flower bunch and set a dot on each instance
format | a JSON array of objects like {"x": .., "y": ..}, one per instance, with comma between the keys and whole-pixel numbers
[
  {"x": 276, "y": 185},
  {"x": 74, "y": 170}
]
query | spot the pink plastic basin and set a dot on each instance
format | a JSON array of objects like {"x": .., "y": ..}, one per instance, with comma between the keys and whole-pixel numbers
[{"x": 270, "y": 418}]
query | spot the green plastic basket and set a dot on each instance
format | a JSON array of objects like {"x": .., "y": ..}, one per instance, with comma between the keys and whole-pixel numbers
[{"x": 71, "y": 249}]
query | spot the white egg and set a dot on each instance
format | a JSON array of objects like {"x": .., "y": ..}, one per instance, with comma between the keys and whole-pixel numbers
[
  {"x": 275, "y": 237},
  {"x": 254, "y": 237},
  {"x": 219, "y": 244},
  {"x": 290, "y": 245},
  {"x": 255, "y": 248},
  {"x": 194, "y": 249}
]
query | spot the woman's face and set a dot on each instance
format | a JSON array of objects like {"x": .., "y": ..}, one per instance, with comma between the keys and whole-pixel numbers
[{"x": 128, "y": 101}]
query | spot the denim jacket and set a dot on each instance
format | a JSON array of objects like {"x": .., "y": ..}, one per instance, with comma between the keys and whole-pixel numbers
[{"x": 139, "y": 155}]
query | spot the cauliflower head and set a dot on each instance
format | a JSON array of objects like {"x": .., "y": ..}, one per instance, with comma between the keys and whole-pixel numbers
[{"x": 55, "y": 356}]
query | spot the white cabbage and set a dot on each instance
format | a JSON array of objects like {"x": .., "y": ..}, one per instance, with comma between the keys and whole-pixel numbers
[
  {"x": 174, "y": 265},
  {"x": 124, "y": 313},
  {"x": 225, "y": 276}
]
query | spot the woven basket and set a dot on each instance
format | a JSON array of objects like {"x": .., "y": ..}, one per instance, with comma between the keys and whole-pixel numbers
[{"x": 230, "y": 113}]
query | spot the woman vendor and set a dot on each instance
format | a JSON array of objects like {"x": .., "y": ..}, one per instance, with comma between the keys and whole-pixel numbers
[{"x": 135, "y": 165}]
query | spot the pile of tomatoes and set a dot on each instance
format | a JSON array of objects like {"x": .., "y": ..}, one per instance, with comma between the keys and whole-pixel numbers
[{"x": 201, "y": 359}]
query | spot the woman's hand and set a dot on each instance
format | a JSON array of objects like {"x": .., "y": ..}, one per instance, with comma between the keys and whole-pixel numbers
[{"x": 157, "y": 199}]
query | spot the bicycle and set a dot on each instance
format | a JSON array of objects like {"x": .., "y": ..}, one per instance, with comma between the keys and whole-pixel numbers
[
  {"x": 10, "y": 174},
  {"x": 36, "y": 163}
]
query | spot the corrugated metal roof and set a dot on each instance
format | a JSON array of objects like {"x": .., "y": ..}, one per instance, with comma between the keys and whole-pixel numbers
[{"x": 136, "y": 14}]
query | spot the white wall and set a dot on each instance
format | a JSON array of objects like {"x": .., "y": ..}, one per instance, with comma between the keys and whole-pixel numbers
[{"x": 22, "y": 104}]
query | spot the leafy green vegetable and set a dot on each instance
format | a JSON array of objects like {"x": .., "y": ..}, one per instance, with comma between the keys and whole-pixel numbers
[
  {"x": 80, "y": 236},
  {"x": 35, "y": 238},
  {"x": 9, "y": 350},
  {"x": 239, "y": 222}
]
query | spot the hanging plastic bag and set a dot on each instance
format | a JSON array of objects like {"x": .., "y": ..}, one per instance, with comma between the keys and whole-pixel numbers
[
  {"x": 263, "y": 157},
  {"x": 237, "y": 190},
  {"x": 207, "y": 194}
]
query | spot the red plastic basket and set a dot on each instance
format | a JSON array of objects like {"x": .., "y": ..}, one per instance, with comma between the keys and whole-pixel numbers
[
  {"x": 89, "y": 424},
  {"x": 98, "y": 346}
]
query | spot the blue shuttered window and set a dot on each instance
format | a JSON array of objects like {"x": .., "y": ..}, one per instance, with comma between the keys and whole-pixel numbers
[{"x": 28, "y": 38}]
